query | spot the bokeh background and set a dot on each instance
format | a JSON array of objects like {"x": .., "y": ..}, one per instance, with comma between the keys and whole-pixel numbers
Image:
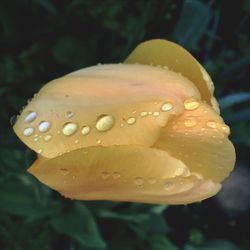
[{"x": 44, "y": 39}]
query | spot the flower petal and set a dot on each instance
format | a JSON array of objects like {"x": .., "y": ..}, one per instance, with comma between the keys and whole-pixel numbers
[
  {"x": 102, "y": 105},
  {"x": 124, "y": 173},
  {"x": 159, "y": 52},
  {"x": 200, "y": 139}
]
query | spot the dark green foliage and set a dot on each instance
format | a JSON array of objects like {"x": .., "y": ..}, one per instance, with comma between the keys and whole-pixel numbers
[{"x": 44, "y": 39}]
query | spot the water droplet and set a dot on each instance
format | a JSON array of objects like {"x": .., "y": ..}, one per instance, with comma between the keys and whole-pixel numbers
[
  {"x": 151, "y": 180},
  {"x": 190, "y": 122},
  {"x": 167, "y": 106},
  {"x": 85, "y": 130},
  {"x": 39, "y": 151},
  {"x": 138, "y": 181},
  {"x": 47, "y": 137},
  {"x": 150, "y": 113},
  {"x": 156, "y": 114},
  {"x": 168, "y": 185},
  {"x": 105, "y": 123},
  {"x": 116, "y": 175},
  {"x": 144, "y": 113},
  {"x": 179, "y": 171},
  {"x": 131, "y": 120},
  {"x": 191, "y": 104},
  {"x": 225, "y": 129},
  {"x": 13, "y": 120},
  {"x": 36, "y": 139},
  {"x": 76, "y": 141},
  {"x": 32, "y": 115},
  {"x": 99, "y": 141},
  {"x": 69, "y": 128},
  {"x": 28, "y": 131},
  {"x": 105, "y": 175},
  {"x": 44, "y": 126},
  {"x": 69, "y": 114},
  {"x": 64, "y": 171},
  {"x": 211, "y": 124}
]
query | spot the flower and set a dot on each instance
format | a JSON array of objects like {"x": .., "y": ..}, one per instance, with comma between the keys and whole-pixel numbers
[{"x": 147, "y": 130}]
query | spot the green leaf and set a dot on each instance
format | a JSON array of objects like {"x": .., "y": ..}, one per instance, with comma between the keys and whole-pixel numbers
[
  {"x": 160, "y": 242},
  {"x": 192, "y": 24},
  {"x": 80, "y": 225},
  {"x": 214, "y": 245},
  {"x": 233, "y": 99}
]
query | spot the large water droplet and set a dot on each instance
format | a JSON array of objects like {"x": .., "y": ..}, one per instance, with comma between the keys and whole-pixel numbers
[
  {"x": 191, "y": 104},
  {"x": 167, "y": 106},
  {"x": 28, "y": 131},
  {"x": 105, "y": 123},
  {"x": 131, "y": 120},
  {"x": 64, "y": 171},
  {"x": 190, "y": 122},
  {"x": 32, "y": 115},
  {"x": 85, "y": 130},
  {"x": 44, "y": 126},
  {"x": 138, "y": 181},
  {"x": 69, "y": 128}
]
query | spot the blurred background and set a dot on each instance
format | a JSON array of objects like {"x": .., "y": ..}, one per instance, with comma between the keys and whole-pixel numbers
[{"x": 44, "y": 39}]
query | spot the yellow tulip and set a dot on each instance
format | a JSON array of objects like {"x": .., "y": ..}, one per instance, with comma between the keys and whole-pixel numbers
[{"x": 147, "y": 130}]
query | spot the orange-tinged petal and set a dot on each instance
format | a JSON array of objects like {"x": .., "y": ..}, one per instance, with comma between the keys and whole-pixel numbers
[
  {"x": 124, "y": 173},
  {"x": 199, "y": 138},
  {"x": 159, "y": 52},
  {"x": 102, "y": 105}
]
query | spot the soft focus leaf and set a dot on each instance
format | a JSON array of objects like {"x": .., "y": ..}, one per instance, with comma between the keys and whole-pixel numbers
[
  {"x": 80, "y": 225},
  {"x": 233, "y": 99}
]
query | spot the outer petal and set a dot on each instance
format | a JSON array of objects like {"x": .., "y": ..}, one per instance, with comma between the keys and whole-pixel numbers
[
  {"x": 132, "y": 96},
  {"x": 124, "y": 173},
  {"x": 159, "y": 52},
  {"x": 199, "y": 138}
]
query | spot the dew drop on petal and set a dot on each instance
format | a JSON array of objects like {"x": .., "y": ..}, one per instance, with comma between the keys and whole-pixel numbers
[
  {"x": 151, "y": 180},
  {"x": 32, "y": 115},
  {"x": 69, "y": 114},
  {"x": 138, "y": 181},
  {"x": 211, "y": 124},
  {"x": 144, "y": 113},
  {"x": 116, "y": 175},
  {"x": 39, "y": 151},
  {"x": 69, "y": 128},
  {"x": 131, "y": 120},
  {"x": 190, "y": 122},
  {"x": 64, "y": 171},
  {"x": 99, "y": 141},
  {"x": 28, "y": 131},
  {"x": 156, "y": 114},
  {"x": 13, "y": 120},
  {"x": 168, "y": 185},
  {"x": 76, "y": 141},
  {"x": 85, "y": 130},
  {"x": 47, "y": 137},
  {"x": 167, "y": 106},
  {"x": 225, "y": 129},
  {"x": 105, "y": 175},
  {"x": 191, "y": 104},
  {"x": 105, "y": 123},
  {"x": 44, "y": 126}
]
